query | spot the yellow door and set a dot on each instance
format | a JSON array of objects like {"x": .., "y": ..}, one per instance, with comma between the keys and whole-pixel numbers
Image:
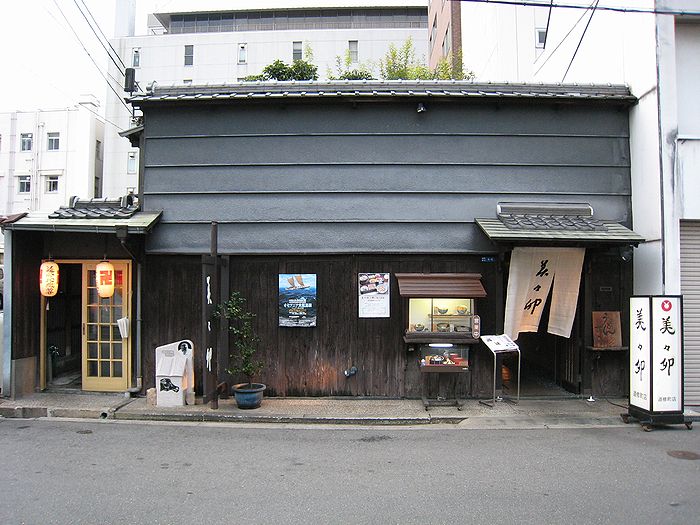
[{"x": 106, "y": 356}]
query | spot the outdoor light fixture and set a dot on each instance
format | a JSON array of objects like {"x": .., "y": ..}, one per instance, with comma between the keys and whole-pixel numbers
[
  {"x": 351, "y": 371},
  {"x": 421, "y": 108},
  {"x": 48, "y": 278},
  {"x": 440, "y": 345},
  {"x": 104, "y": 274}
]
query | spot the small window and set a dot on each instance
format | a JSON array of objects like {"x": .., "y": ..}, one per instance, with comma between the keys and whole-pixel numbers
[
  {"x": 136, "y": 57},
  {"x": 433, "y": 31},
  {"x": 242, "y": 53},
  {"x": 0, "y": 142},
  {"x": 447, "y": 42},
  {"x": 297, "y": 51},
  {"x": 540, "y": 38},
  {"x": 187, "y": 81},
  {"x": 352, "y": 49},
  {"x": 98, "y": 150},
  {"x": 25, "y": 142},
  {"x": 25, "y": 184},
  {"x": 53, "y": 141},
  {"x": 131, "y": 162},
  {"x": 189, "y": 55},
  {"x": 52, "y": 184}
]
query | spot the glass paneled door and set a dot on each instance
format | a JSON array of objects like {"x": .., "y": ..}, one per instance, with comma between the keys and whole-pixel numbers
[{"x": 106, "y": 355}]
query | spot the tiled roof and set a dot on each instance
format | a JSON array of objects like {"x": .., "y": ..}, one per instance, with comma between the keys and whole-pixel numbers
[
  {"x": 542, "y": 222},
  {"x": 97, "y": 209},
  {"x": 374, "y": 88}
]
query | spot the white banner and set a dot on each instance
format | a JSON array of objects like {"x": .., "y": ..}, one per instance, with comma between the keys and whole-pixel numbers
[{"x": 533, "y": 271}]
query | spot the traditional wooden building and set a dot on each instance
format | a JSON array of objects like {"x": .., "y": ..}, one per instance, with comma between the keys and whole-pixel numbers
[{"x": 411, "y": 193}]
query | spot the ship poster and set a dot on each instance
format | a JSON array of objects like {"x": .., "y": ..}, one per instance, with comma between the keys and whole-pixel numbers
[{"x": 297, "y": 299}]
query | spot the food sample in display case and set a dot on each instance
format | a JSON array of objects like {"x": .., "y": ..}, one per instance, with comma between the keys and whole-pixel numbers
[{"x": 443, "y": 316}]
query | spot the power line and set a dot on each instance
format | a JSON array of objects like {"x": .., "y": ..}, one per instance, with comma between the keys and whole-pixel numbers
[
  {"x": 533, "y": 3},
  {"x": 92, "y": 59},
  {"x": 98, "y": 37},
  {"x": 114, "y": 51},
  {"x": 581, "y": 40},
  {"x": 563, "y": 39},
  {"x": 546, "y": 30}
]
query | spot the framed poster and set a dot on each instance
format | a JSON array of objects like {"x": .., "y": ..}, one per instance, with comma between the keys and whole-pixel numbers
[
  {"x": 374, "y": 294},
  {"x": 297, "y": 299}
]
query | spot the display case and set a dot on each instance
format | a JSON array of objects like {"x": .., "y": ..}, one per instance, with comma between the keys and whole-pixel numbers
[{"x": 442, "y": 319}]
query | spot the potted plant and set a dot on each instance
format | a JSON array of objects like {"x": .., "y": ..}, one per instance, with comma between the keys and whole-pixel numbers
[{"x": 245, "y": 345}]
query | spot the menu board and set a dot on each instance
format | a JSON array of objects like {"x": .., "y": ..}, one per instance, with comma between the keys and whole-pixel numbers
[
  {"x": 374, "y": 294},
  {"x": 297, "y": 299}
]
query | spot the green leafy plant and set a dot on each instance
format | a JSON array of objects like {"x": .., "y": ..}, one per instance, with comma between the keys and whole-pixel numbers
[
  {"x": 345, "y": 71},
  {"x": 245, "y": 341},
  {"x": 401, "y": 63},
  {"x": 278, "y": 70}
]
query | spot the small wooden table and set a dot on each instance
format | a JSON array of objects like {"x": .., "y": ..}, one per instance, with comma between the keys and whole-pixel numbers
[{"x": 441, "y": 369}]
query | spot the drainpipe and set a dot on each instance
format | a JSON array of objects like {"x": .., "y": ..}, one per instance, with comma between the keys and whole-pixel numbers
[{"x": 139, "y": 377}]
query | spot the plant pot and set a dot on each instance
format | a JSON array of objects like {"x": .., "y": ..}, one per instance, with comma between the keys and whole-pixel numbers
[{"x": 248, "y": 395}]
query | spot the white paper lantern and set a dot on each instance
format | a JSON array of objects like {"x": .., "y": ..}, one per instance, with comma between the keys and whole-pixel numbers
[
  {"x": 104, "y": 274},
  {"x": 48, "y": 278}
]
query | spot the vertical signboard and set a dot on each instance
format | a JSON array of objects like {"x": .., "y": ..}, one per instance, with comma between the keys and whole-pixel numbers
[
  {"x": 373, "y": 290},
  {"x": 656, "y": 354},
  {"x": 640, "y": 352},
  {"x": 666, "y": 342}
]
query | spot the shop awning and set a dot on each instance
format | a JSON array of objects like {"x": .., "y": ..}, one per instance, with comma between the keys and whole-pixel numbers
[
  {"x": 99, "y": 215},
  {"x": 139, "y": 223},
  {"x": 562, "y": 223},
  {"x": 440, "y": 285}
]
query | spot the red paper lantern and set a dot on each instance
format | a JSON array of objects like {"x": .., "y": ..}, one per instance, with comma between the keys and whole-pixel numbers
[
  {"x": 105, "y": 279},
  {"x": 48, "y": 278}
]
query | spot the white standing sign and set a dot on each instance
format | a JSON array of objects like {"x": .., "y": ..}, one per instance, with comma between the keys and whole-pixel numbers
[
  {"x": 640, "y": 352},
  {"x": 667, "y": 382}
]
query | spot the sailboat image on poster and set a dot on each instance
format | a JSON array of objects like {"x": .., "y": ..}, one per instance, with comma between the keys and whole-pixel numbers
[{"x": 297, "y": 299}]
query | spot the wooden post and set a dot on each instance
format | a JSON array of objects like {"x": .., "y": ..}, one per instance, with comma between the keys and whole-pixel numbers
[{"x": 210, "y": 299}]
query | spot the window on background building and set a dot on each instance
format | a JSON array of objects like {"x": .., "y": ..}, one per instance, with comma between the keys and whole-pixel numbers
[
  {"x": 25, "y": 184},
  {"x": 447, "y": 43},
  {"x": 136, "y": 57},
  {"x": 0, "y": 142},
  {"x": 297, "y": 51},
  {"x": 352, "y": 48},
  {"x": 189, "y": 55},
  {"x": 540, "y": 38},
  {"x": 54, "y": 139},
  {"x": 131, "y": 162},
  {"x": 242, "y": 53},
  {"x": 25, "y": 141},
  {"x": 98, "y": 150},
  {"x": 187, "y": 81},
  {"x": 433, "y": 32},
  {"x": 52, "y": 184}
]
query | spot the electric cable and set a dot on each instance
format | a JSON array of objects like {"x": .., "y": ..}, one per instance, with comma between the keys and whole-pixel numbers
[
  {"x": 119, "y": 68},
  {"x": 580, "y": 41},
  {"x": 563, "y": 39},
  {"x": 533, "y": 3},
  {"x": 114, "y": 51},
  {"x": 92, "y": 59},
  {"x": 546, "y": 30}
]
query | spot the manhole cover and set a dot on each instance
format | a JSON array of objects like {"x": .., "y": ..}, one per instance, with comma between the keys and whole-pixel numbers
[
  {"x": 683, "y": 454},
  {"x": 84, "y": 432}
]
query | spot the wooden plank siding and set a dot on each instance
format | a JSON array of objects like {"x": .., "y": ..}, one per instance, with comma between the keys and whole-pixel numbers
[{"x": 309, "y": 361}]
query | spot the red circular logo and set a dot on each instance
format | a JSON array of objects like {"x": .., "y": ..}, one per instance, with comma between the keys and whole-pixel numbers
[{"x": 666, "y": 305}]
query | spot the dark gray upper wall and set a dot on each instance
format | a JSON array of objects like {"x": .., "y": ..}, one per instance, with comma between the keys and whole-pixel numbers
[{"x": 335, "y": 176}]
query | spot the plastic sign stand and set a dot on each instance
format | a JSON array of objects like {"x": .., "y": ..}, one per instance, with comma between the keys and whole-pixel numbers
[
  {"x": 656, "y": 361},
  {"x": 175, "y": 374},
  {"x": 500, "y": 344}
]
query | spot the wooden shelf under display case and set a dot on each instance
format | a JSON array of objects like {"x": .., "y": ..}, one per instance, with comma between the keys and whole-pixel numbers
[{"x": 439, "y": 337}]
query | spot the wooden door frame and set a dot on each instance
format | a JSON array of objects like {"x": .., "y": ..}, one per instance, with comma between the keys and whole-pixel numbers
[{"x": 43, "y": 362}]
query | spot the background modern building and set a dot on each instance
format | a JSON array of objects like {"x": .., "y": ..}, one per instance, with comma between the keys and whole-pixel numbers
[{"x": 216, "y": 45}]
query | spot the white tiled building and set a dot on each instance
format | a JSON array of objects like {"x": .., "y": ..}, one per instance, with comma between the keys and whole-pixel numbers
[{"x": 216, "y": 44}]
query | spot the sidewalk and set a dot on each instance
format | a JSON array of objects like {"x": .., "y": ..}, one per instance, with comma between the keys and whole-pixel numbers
[{"x": 528, "y": 414}]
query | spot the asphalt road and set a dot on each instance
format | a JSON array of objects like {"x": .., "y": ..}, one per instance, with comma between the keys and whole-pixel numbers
[{"x": 57, "y": 471}]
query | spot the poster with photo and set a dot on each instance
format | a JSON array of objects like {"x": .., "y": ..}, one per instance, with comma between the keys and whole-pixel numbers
[
  {"x": 374, "y": 297},
  {"x": 297, "y": 299}
]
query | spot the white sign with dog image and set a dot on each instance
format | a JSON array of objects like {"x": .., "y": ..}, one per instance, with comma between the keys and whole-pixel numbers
[{"x": 175, "y": 374}]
